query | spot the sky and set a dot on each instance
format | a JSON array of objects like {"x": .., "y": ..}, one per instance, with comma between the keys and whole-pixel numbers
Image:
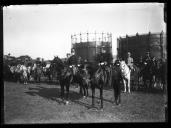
[{"x": 45, "y": 30}]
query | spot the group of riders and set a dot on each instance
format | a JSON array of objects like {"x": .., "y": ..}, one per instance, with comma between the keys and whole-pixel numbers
[
  {"x": 30, "y": 72},
  {"x": 86, "y": 74}
]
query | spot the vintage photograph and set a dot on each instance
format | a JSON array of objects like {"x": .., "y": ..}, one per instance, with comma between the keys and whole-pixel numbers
[{"x": 85, "y": 63}]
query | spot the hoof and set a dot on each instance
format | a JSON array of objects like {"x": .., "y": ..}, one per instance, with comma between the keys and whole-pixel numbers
[{"x": 118, "y": 104}]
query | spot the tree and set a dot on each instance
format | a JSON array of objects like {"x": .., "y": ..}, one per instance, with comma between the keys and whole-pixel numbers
[{"x": 24, "y": 58}]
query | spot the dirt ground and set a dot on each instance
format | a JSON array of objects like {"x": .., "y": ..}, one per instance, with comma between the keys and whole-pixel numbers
[{"x": 41, "y": 103}]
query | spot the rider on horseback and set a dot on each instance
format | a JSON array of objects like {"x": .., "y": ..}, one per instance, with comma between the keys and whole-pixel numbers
[
  {"x": 73, "y": 62},
  {"x": 129, "y": 61},
  {"x": 73, "y": 59}
]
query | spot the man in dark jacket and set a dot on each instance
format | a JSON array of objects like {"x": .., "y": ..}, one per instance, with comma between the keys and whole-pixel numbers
[
  {"x": 147, "y": 59},
  {"x": 116, "y": 78},
  {"x": 73, "y": 59}
]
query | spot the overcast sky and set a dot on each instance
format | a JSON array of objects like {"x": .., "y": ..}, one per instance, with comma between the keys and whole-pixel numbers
[{"x": 45, "y": 30}]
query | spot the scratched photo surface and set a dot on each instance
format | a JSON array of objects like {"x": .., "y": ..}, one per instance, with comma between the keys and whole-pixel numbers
[{"x": 85, "y": 63}]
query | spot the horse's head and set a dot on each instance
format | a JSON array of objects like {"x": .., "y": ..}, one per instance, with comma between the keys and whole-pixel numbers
[
  {"x": 122, "y": 64},
  {"x": 57, "y": 63}
]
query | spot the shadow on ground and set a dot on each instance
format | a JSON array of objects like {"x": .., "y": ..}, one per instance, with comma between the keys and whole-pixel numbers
[{"x": 54, "y": 95}]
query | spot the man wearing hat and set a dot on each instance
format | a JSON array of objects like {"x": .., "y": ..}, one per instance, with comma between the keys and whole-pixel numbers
[
  {"x": 129, "y": 61},
  {"x": 147, "y": 59},
  {"x": 73, "y": 59}
]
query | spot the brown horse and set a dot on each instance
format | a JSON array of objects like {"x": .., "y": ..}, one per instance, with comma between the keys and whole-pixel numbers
[
  {"x": 66, "y": 76},
  {"x": 99, "y": 80}
]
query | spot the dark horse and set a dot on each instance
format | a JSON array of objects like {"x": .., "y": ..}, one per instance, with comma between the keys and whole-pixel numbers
[
  {"x": 147, "y": 75},
  {"x": 136, "y": 77},
  {"x": 99, "y": 80},
  {"x": 67, "y": 75},
  {"x": 116, "y": 78}
]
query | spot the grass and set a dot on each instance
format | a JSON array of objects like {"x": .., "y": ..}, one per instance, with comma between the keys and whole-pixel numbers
[{"x": 41, "y": 103}]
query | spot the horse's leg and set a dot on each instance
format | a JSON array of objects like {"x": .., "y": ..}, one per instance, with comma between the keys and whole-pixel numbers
[
  {"x": 81, "y": 89},
  {"x": 87, "y": 84},
  {"x": 124, "y": 82},
  {"x": 144, "y": 83},
  {"x": 67, "y": 93},
  {"x": 62, "y": 90},
  {"x": 101, "y": 97},
  {"x": 115, "y": 91},
  {"x": 93, "y": 93},
  {"x": 128, "y": 83},
  {"x": 119, "y": 92},
  {"x": 39, "y": 77},
  {"x": 26, "y": 79},
  {"x": 151, "y": 83},
  {"x": 84, "y": 89}
]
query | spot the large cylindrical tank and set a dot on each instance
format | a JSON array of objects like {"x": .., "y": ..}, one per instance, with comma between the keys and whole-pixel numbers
[
  {"x": 88, "y": 45},
  {"x": 138, "y": 45}
]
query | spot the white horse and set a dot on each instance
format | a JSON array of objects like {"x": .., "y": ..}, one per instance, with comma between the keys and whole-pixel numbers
[{"x": 126, "y": 74}]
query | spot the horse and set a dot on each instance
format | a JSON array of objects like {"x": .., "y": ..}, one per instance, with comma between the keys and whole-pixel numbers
[
  {"x": 85, "y": 80},
  {"x": 116, "y": 77},
  {"x": 81, "y": 76},
  {"x": 99, "y": 80},
  {"x": 74, "y": 74},
  {"x": 126, "y": 75},
  {"x": 135, "y": 77},
  {"x": 64, "y": 75}
]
